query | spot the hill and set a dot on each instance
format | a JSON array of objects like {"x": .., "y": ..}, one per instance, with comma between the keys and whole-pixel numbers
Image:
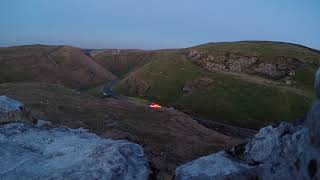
[
  {"x": 53, "y": 64},
  {"x": 121, "y": 62},
  {"x": 162, "y": 133},
  {"x": 249, "y": 84}
]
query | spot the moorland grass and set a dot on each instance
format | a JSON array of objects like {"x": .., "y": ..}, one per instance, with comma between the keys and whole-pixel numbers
[{"x": 228, "y": 99}]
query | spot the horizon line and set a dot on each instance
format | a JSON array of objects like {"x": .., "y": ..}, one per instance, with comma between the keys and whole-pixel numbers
[{"x": 146, "y": 49}]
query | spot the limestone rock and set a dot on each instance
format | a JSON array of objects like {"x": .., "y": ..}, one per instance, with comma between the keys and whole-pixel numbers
[
  {"x": 313, "y": 122},
  {"x": 43, "y": 123},
  {"x": 27, "y": 152},
  {"x": 284, "y": 152},
  {"x": 8, "y": 105},
  {"x": 317, "y": 83},
  {"x": 313, "y": 119},
  {"x": 269, "y": 140},
  {"x": 278, "y": 68},
  {"x": 10, "y": 110},
  {"x": 216, "y": 166}
]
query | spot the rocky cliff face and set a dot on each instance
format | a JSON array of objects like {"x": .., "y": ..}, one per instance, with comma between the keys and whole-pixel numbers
[
  {"x": 280, "y": 68},
  {"x": 284, "y": 152},
  {"x": 29, "y": 152}
]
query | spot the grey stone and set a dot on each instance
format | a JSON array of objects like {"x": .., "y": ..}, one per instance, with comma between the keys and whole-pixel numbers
[
  {"x": 8, "y": 105},
  {"x": 313, "y": 123},
  {"x": 215, "y": 166},
  {"x": 317, "y": 83},
  {"x": 267, "y": 142},
  {"x": 27, "y": 152},
  {"x": 313, "y": 118},
  {"x": 43, "y": 123},
  {"x": 283, "y": 152},
  {"x": 10, "y": 110},
  {"x": 294, "y": 159}
]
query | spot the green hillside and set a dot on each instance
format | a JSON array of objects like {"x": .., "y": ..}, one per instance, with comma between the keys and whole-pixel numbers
[{"x": 242, "y": 99}]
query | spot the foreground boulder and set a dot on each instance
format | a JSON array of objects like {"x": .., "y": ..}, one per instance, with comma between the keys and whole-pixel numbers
[
  {"x": 28, "y": 152},
  {"x": 284, "y": 152},
  {"x": 10, "y": 110},
  {"x": 215, "y": 166},
  {"x": 313, "y": 121}
]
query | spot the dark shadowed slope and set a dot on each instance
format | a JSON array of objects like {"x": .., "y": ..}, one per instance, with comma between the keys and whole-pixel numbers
[
  {"x": 121, "y": 62},
  {"x": 169, "y": 137},
  {"x": 54, "y": 64}
]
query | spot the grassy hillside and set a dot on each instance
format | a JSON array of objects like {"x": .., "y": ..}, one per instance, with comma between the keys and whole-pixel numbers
[
  {"x": 162, "y": 133},
  {"x": 235, "y": 98},
  {"x": 54, "y": 64}
]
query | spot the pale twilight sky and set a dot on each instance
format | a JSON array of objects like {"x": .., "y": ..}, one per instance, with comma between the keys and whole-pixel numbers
[{"x": 152, "y": 24}]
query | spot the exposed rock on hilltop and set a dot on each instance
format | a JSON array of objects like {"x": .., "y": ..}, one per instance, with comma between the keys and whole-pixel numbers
[
  {"x": 279, "y": 68},
  {"x": 284, "y": 152}
]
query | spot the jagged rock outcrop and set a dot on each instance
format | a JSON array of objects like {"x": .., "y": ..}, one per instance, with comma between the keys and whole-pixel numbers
[
  {"x": 14, "y": 111},
  {"x": 47, "y": 152},
  {"x": 317, "y": 84},
  {"x": 287, "y": 155},
  {"x": 284, "y": 152},
  {"x": 10, "y": 110},
  {"x": 313, "y": 121},
  {"x": 279, "y": 68},
  {"x": 215, "y": 166},
  {"x": 27, "y": 152}
]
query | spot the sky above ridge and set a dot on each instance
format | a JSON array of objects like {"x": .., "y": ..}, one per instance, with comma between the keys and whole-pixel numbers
[{"x": 154, "y": 24}]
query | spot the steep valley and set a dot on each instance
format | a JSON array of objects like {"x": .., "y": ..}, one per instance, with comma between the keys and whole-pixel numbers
[{"x": 248, "y": 84}]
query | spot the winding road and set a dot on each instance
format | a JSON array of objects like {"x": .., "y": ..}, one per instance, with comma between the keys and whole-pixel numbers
[
  {"x": 210, "y": 124},
  {"x": 108, "y": 92}
]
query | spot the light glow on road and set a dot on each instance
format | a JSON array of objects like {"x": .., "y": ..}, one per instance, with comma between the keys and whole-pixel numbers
[{"x": 155, "y": 106}]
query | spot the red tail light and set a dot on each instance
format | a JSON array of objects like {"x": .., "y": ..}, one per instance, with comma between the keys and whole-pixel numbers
[{"x": 155, "y": 106}]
